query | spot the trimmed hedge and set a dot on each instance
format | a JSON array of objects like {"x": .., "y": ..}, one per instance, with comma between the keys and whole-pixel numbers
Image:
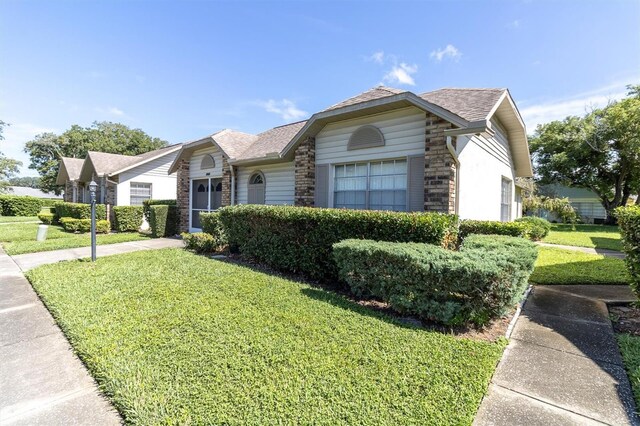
[
  {"x": 212, "y": 225},
  {"x": 127, "y": 218},
  {"x": 46, "y": 218},
  {"x": 536, "y": 228},
  {"x": 629, "y": 223},
  {"x": 299, "y": 239},
  {"x": 200, "y": 242},
  {"x": 20, "y": 205},
  {"x": 163, "y": 220},
  {"x": 480, "y": 282},
  {"x": 70, "y": 224},
  {"x": 146, "y": 204},
  {"x": 79, "y": 211},
  {"x": 490, "y": 227}
]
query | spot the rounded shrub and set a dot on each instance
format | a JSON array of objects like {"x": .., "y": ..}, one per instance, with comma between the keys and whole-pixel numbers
[
  {"x": 46, "y": 218},
  {"x": 127, "y": 218},
  {"x": 200, "y": 242},
  {"x": 536, "y": 228}
]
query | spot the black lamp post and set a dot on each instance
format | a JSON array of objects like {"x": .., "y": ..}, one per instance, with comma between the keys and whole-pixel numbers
[{"x": 92, "y": 190}]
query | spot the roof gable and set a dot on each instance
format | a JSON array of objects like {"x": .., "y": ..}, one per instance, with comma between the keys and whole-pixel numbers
[
  {"x": 69, "y": 169},
  {"x": 470, "y": 104}
]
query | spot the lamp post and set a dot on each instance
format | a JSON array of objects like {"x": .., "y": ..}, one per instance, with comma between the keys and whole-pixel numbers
[{"x": 92, "y": 190}]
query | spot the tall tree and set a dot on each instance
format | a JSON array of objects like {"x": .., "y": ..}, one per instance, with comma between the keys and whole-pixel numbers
[
  {"x": 8, "y": 166},
  {"x": 600, "y": 151},
  {"x": 25, "y": 181},
  {"x": 46, "y": 149}
]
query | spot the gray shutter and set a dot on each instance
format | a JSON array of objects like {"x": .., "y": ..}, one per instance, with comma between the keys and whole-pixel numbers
[
  {"x": 321, "y": 192},
  {"x": 415, "y": 183}
]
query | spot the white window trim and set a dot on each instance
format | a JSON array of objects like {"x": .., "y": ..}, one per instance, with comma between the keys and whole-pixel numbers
[
  {"x": 510, "y": 204},
  {"x": 332, "y": 181},
  {"x": 140, "y": 183}
]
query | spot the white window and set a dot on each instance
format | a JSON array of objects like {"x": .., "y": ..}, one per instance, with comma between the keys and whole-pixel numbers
[
  {"x": 139, "y": 192},
  {"x": 505, "y": 200},
  {"x": 208, "y": 162},
  {"x": 378, "y": 185}
]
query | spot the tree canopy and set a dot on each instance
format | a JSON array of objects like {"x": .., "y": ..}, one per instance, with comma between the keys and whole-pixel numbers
[
  {"x": 599, "y": 151},
  {"x": 8, "y": 166},
  {"x": 26, "y": 181},
  {"x": 46, "y": 149}
]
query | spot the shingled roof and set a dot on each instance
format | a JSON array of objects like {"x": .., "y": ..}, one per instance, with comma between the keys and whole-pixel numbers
[
  {"x": 70, "y": 169},
  {"x": 272, "y": 141},
  {"x": 470, "y": 104},
  {"x": 378, "y": 92}
]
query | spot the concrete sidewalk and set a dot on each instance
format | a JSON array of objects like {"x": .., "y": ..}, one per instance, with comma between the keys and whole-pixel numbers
[
  {"x": 33, "y": 260},
  {"x": 562, "y": 365},
  {"x": 588, "y": 250},
  {"x": 41, "y": 379}
]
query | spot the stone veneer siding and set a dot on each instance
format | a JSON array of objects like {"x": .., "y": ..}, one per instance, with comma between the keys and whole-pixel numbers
[
  {"x": 182, "y": 195},
  {"x": 305, "y": 172},
  {"x": 110, "y": 199},
  {"x": 68, "y": 191},
  {"x": 439, "y": 169},
  {"x": 226, "y": 183}
]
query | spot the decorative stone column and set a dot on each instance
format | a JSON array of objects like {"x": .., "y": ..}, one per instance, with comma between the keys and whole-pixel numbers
[
  {"x": 110, "y": 199},
  {"x": 182, "y": 195},
  {"x": 440, "y": 169},
  {"x": 226, "y": 183},
  {"x": 68, "y": 191},
  {"x": 305, "y": 173}
]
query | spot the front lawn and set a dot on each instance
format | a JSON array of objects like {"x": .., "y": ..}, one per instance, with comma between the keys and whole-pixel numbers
[
  {"x": 558, "y": 266},
  {"x": 596, "y": 236},
  {"x": 176, "y": 338},
  {"x": 17, "y": 219},
  {"x": 21, "y": 238},
  {"x": 630, "y": 350}
]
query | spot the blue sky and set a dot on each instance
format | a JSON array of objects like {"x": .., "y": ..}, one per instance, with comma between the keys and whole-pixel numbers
[{"x": 182, "y": 70}]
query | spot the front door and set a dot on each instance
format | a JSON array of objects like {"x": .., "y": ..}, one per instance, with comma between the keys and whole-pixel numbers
[{"x": 206, "y": 196}]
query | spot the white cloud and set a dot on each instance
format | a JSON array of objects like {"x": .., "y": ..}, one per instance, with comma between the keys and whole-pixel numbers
[
  {"x": 115, "y": 111},
  {"x": 558, "y": 109},
  {"x": 514, "y": 24},
  {"x": 377, "y": 57},
  {"x": 401, "y": 74},
  {"x": 285, "y": 108},
  {"x": 450, "y": 51}
]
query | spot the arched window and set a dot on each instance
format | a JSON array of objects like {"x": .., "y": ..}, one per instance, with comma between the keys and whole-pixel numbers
[
  {"x": 202, "y": 188},
  {"x": 366, "y": 137},
  {"x": 207, "y": 162},
  {"x": 257, "y": 185}
]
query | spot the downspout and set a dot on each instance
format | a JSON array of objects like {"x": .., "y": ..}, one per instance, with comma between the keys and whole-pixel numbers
[{"x": 452, "y": 151}]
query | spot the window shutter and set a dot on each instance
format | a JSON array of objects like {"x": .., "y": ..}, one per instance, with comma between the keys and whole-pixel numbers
[
  {"x": 415, "y": 183},
  {"x": 321, "y": 193}
]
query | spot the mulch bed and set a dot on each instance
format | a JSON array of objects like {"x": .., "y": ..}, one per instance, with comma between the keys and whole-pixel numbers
[
  {"x": 626, "y": 319},
  {"x": 490, "y": 332}
]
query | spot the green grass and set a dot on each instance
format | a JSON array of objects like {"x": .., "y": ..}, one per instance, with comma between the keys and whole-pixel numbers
[
  {"x": 595, "y": 236},
  {"x": 630, "y": 349},
  {"x": 176, "y": 338},
  {"x": 21, "y": 238},
  {"x": 17, "y": 219},
  {"x": 558, "y": 266}
]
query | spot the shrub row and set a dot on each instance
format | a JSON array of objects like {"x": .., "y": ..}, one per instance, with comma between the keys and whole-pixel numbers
[
  {"x": 146, "y": 206},
  {"x": 300, "y": 239},
  {"x": 212, "y": 225},
  {"x": 200, "y": 242},
  {"x": 79, "y": 211},
  {"x": 533, "y": 228},
  {"x": 163, "y": 220},
  {"x": 20, "y": 205},
  {"x": 475, "y": 284},
  {"x": 629, "y": 223},
  {"x": 46, "y": 218},
  {"x": 127, "y": 218},
  {"x": 70, "y": 224}
]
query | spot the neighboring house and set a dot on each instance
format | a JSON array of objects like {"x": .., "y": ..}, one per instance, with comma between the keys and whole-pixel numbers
[
  {"x": 31, "y": 192},
  {"x": 585, "y": 202},
  {"x": 451, "y": 150},
  {"x": 123, "y": 180}
]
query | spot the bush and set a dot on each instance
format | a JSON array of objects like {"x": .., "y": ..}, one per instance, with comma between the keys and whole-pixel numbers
[
  {"x": 537, "y": 204},
  {"x": 70, "y": 224},
  {"x": 163, "y": 220},
  {"x": 212, "y": 225},
  {"x": 18, "y": 205},
  {"x": 46, "y": 218},
  {"x": 146, "y": 204},
  {"x": 491, "y": 227},
  {"x": 629, "y": 223},
  {"x": 480, "y": 282},
  {"x": 127, "y": 218},
  {"x": 200, "y": 242},
  {"x": 536, "y": 227},
  {"x": 299, "y": 239},
  {"x": 79, "y": 211}
]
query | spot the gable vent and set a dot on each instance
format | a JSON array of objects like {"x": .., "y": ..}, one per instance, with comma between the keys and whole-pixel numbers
[
  {"x": 207, "y": 162},
  {"x": 366, "y": 137}
]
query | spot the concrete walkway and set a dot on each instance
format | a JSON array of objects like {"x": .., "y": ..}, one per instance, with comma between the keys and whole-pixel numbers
[
  {"x": 41, "y": 379},
  {"x": 562, "y": 365},
  {"x": 588, "y": 250},
  {"x": 33, "y": 260}
]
